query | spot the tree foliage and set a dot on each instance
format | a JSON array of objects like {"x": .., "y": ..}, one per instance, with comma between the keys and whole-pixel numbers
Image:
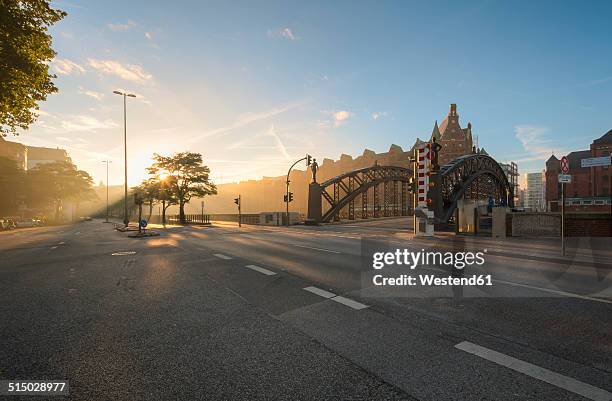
[
  {"x": 12, "y": 185},
  {"x": 52, "y": 184},
  {"x": 185, "y": 177},
  {"x": 25, "y": 53}
]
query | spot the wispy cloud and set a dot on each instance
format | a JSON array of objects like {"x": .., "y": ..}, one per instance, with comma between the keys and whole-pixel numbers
[
  {"x": 90, "y": 93},
  {"x": 66, "y": 67},
  {"x": 121, "y": 27},
  {"x": 129, "y": 72},
  {"x": 84, "y": 123},
  {"x": 594, "y": 82},
  {"x": 379, "y": 114},
  {"x": 277, "y": 141},
  {"x": 244, "y": 120},
  {"x": 286, "y": 33},
  {"x": 535, "y": 143}
]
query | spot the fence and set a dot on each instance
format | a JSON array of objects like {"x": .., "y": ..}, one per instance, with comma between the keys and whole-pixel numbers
[{"x": 189, "y": 219}]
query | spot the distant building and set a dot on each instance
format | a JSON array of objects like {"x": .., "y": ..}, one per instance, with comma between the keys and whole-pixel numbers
[
  {"x": 511, "y": 171},
  {"x": 27, "y": 157},
  {"x": 455, "y": 141},
  {"x": 534, "y": 192},
  {"x": 590, "y": 188}
]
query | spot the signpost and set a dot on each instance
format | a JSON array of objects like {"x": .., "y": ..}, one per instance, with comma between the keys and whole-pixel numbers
[
  {"x": 563, "y": 178},
  {"x": 596, "y": 161}
]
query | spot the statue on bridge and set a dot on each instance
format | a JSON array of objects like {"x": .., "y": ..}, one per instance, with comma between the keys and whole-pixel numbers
[
  {"x": 435, "y": 151},
  {"x": 314, "y": 167}
]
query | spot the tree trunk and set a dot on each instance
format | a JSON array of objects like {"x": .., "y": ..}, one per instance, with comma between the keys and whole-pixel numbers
[
  {"x": 164, "y": 213},
  {"x": 182, "y": 212},
  {"x": 150, "y": 211}
]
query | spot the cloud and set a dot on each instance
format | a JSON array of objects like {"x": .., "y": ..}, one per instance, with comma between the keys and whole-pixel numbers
[
  {"x": 534, "y": 140},
  {"x": 341, "y": 116},
  {"x": 129, "y": 72},
  {"x": 85, "y": 123},
  {"x": 90, "y": 93},
  {"x": 66, "y": 67},
  {"x": 285, "y": 33},
  {"x": 121, "y": 27},
  {"x": 378, "y": 114},
  {"x": 244, "y": 120},
  {"x": 279, "y": 144},
  {"x": 148, "y": 35}
]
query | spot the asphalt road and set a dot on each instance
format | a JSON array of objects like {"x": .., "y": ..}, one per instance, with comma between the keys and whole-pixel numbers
[{"x": 290, "y": 313}]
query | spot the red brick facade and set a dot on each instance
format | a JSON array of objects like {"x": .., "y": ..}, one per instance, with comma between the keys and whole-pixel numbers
[{"x": 587, "y": 182}]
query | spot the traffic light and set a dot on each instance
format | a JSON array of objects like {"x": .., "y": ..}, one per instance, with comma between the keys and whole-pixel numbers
[
  {"x": 290, "y": 196},
  {"x": 237, "y": 201},
  {"x": 285, "y": 198},
  {"x": 308, "y": 160}
]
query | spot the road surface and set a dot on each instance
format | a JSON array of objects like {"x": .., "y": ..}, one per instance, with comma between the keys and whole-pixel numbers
[{"x": 288, "y": 313}]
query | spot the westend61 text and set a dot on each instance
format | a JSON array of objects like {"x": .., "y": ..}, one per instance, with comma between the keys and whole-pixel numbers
[{"x": 431, "y": 280}]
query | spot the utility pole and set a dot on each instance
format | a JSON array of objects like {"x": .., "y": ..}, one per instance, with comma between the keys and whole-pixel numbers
[
  {"x": 308, "y": 159},
  {"x": 107, "y": 163},
  {"x": 125, "y": 95}
]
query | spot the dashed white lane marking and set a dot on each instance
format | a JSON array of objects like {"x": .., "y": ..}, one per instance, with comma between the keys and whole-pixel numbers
[
  {"x": 53, "y": 247},
  {"x": 77, "y": 233},
  {"x": 566, "y": 294},
  {"x": 260, "y": 270},
  {"x": 123, "y": 253},
  {"x": 337, "y": 298},
  {"x": 349, "y": 302},
  {"x": 548, "y": 376},
  {"x": 221, "y": 256},
  {"x": 317, "y": 249},
  {"x": 320, "y": 292}
]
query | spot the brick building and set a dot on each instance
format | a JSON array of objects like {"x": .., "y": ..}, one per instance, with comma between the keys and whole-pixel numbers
[
  {"x": 455, "y": 141},
  {"x": 590, "y": 186}
]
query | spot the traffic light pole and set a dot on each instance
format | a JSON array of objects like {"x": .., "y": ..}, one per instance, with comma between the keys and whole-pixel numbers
[{"x": 307, "y": 157}]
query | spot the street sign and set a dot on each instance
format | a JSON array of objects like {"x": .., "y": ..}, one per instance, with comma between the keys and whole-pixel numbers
[
  {"x": 596, "y": 161},
  {"x": 143, "y": 223},
  {"x": 565, "y": 178},
  {"x": 564, "y": 165}
]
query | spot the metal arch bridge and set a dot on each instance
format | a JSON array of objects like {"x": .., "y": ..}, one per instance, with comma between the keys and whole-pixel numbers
[
  {"x": 472, "y": 177},
  {"x": 382, "y": 191}
]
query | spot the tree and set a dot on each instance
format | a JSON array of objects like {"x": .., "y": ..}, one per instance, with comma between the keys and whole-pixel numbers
[
  {"x": 186, "y": 177},
  {"x": 25, "y": 52},
  {"x": 51, "y": 184},
  {"x": 12, "y": 185}
]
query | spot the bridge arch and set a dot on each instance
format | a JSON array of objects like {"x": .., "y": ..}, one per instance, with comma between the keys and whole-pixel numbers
[
  {"x": 378, "y": 190},
  {"x": 475, "y": 176}
]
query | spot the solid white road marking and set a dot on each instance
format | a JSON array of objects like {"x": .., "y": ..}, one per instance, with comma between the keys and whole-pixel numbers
[
  {"x": 548, "y": 376},
  {"x": 317, "y": 249},
  {"x": 320, "y": 292},
  {"x": 261, "y": 270},
  {"x": 567, "y": 294},
  {"x": 61, "y": 243},
  {"x": 349, "y": 302},
  {"x": 123, "y": 253},
  {"x": 221, "y": 256}
]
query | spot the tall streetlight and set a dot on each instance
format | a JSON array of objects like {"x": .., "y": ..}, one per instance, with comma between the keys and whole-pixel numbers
[
  {"x": 107, "y": 162},
  {"x": 125, "y": 185}
]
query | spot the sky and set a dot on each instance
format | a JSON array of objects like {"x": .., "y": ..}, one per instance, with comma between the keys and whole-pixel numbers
[{"x": 253, "y": 86}]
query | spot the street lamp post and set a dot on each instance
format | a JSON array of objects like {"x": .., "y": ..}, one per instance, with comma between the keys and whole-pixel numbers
[
  {"x": 125, "y": 95},
  {"x": 287, "y": 200},
  {"x": 107, "y": 163}
]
